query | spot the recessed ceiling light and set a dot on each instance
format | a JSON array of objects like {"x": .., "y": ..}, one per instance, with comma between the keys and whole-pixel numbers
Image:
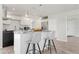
[
  {"x": 26, "y": 15},
  {"x": 13, "y": 9},
  {"x": 40, "y": 4}
]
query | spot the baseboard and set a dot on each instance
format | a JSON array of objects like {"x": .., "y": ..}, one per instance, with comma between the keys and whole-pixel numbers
[
  {"x": 72, "y": 35},
  {"x": 62, "y": 40}
]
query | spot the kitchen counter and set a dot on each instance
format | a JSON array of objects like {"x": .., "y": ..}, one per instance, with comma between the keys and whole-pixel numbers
[{"x": 20, "y": 44}]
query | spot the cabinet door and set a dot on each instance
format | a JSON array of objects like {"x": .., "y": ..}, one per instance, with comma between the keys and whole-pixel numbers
[
  {"x": 5, "y": 39},
  {"x": 8, "y": 38}
]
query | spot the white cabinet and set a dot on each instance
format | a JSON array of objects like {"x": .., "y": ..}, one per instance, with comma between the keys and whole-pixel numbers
[{"x": 20, "y": 42}]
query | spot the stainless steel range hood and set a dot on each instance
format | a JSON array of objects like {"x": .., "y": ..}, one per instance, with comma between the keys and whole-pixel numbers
[{"x": 5, "y": 12}]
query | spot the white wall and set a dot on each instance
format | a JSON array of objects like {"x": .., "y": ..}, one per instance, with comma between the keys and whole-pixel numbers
[
  {"x": 1, "y": 26},
  {"x": 61, "y": 28},
  {"x": 51, "y": 24},
  {"x": 73, "y": 27},
  {"x": 77, "y": 27},
  {"x": 58, "y": 24}
]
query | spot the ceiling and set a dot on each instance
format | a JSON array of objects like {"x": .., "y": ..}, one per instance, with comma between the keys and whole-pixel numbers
[{"x": 39, "y": 10}]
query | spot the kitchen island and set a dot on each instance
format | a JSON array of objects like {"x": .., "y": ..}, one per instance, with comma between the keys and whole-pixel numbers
[{"x": 20, "y": 41}]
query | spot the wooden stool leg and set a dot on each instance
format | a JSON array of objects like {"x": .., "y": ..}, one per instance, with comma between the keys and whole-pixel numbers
[
  {"x": 44, "y": 45},
  {"x": 49, "y": 46},
  {"x": 33, "y": 48},
  {"x": 28, "y": 48},
  {"x": 54, "y": 46},
  {"x": 39, "y": 48}
]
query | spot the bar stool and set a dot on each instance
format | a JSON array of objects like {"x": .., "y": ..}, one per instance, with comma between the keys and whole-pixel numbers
[
  {"x": 49, "y": 36},
  {"x": 35, "y": 39}
]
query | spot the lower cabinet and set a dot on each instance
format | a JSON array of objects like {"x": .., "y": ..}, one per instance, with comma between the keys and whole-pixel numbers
[{"x": 8, "y": 38}]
